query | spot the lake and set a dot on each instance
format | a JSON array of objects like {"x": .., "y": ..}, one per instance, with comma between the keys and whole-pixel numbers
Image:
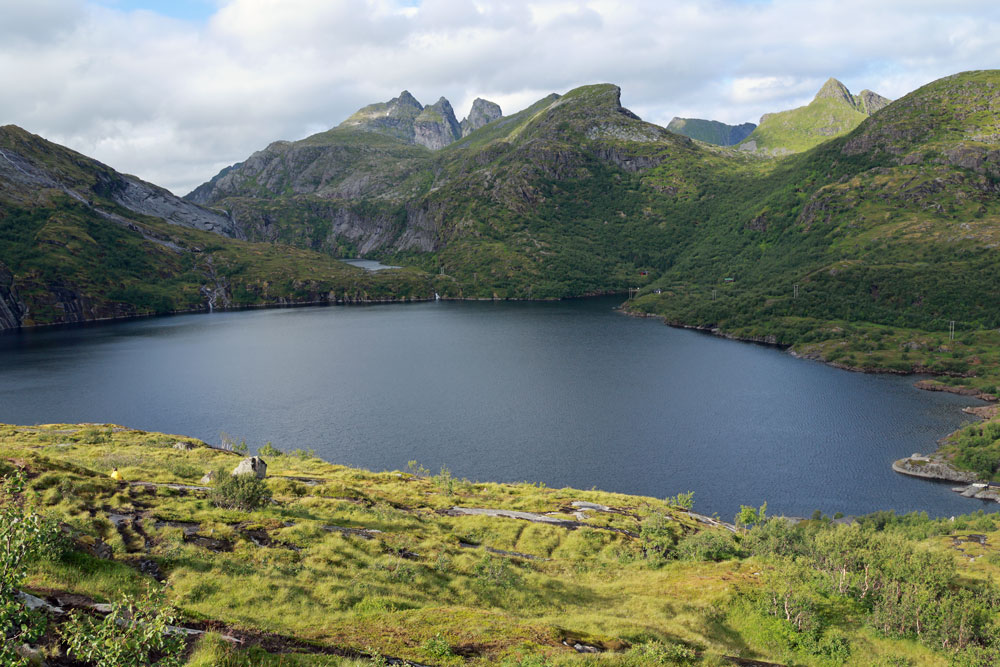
[{"x": 566, "y": 393}]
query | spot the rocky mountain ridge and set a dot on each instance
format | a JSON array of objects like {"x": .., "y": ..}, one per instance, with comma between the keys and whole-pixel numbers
[{"x": 433, "y": 126}]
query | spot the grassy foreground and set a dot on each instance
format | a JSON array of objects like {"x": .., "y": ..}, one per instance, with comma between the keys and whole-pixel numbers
[{"x": 348, "y": 566}]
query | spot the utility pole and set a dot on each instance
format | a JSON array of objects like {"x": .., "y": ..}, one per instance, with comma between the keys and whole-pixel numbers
[
  {"x": 714, "y": 292},
  {"x": 951, "y": 330},
  {"x": 795, "y": 293}
]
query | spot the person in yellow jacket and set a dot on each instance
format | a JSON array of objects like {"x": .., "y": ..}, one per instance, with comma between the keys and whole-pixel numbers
[{"x": 115, "y": 475}]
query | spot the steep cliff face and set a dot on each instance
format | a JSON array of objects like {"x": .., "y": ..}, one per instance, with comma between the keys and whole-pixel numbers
[
  {"x": 482, "y": 113},
  {"x": 436, "y": 126},
  {"x": 11, "y": 307}
]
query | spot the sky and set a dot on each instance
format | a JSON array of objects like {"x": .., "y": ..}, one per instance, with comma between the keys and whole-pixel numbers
[{"x": 172, "y": 91}]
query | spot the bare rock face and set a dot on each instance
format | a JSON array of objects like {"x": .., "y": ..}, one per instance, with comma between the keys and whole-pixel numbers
[
  {"x": 12, "y": 309},
  {"x": 252, "y": 465},
  {"x": 436, "y": 126},
  {"x": 394, "y": 118},
  {"x": 148, "y": 199},
  {"x": 482, "y": 112},
  {"x": 869, "y": 102}
]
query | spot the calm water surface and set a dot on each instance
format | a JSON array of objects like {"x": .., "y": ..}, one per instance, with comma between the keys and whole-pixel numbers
[
  {"x": 368, "y": 264},
  {"x": 567, "y": 393}
]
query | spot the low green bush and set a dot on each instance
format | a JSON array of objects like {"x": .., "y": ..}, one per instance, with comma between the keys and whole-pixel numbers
[{"x": 240, "y": 492}]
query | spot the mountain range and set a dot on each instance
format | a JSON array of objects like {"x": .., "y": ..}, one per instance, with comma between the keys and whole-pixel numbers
[{"x": 573, "y": 195}]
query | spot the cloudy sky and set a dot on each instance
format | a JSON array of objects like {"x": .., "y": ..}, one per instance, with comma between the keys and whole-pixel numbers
[{"x": 174, "y": 90}]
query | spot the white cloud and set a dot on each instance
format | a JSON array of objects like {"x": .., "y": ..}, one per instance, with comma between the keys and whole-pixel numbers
[{"x": 172, "y": 101}]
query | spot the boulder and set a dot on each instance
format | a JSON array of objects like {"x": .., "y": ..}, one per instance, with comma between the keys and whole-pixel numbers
[
  {"x": 252, "y": 465},
  {"x": 208, "y": 478},
  {"x": 183, "y": 446}
]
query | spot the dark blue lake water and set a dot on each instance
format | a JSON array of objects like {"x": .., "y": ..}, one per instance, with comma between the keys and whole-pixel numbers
[{"x": 567, "y": 393}]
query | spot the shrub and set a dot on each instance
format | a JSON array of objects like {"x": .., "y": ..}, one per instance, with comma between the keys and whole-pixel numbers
[
  {"x": 132, "y": 635},
  {"x": 240, "y": 492},
  {"x": 661, "y": 653},
  {"x": 438, "y": 647},
  {"x": 270, "y": 450},
  {"x": 24, "y": 535},
  {"x": 492, "y": 572},
  {"x": 682, "y": 500},
  {"x": 658, "y": 534},
  {"x": 708, "y": 545}
]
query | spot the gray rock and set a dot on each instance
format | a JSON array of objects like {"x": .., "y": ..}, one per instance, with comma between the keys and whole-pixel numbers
[
  {"x": 208, "y": 478},
  {"x": 252, "y": 465},
  {"x": 482, "y": 113},
  {"x": 183, "y": 446},
  {"x": 12, "y": 309},
  {"x": 436, "y": 126},
  {"x": 148, "y": 199}
]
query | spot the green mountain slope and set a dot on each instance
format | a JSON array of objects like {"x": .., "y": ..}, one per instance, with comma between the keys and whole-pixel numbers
[
  {"x": 711, "y": 131},
  {"x": 79, "y": 241},
  {"x": 834, "y": 111},
  {"x": 894, "y": 224},
  {"x": 548, "y": 202},
  {"x": 576, "y": 195}
]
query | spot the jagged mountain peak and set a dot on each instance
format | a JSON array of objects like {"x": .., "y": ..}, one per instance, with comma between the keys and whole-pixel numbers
[
  {"x": 436, "y": 126},
  {"x": 869, "y": 102},
  {"x": 407, "y": 99},
  {"x": 833, "y": 111},
  {"x": 481, "y": 113},
  {"x": 834, "y": 89}
]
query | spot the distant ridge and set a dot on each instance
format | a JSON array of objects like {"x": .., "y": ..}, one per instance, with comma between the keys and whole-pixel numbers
[
  {"x": 711, "y": 131},
  {"x": 433, "y": 126}
]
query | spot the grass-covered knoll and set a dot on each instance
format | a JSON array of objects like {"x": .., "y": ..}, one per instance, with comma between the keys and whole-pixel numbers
[{"x": 348, "y": 566}]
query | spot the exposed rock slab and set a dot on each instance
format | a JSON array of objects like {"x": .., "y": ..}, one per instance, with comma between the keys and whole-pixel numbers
[{"x": 932, "y": 469}]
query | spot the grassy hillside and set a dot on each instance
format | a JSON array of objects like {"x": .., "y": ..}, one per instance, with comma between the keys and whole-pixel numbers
[
  {"x": 832, "y": 113},
  {"x": 711, "y": 131},
  {"x": 888, "y": 233},
  {"x": 348, "y": 566}
]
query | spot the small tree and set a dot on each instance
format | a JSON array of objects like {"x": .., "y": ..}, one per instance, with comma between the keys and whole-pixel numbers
[{"x": 751, "y": 516}]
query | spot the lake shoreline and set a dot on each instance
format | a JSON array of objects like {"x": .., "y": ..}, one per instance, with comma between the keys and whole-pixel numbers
[
  {"x": 282, "y": 304},
  {"x": 917, "y": 465}
]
